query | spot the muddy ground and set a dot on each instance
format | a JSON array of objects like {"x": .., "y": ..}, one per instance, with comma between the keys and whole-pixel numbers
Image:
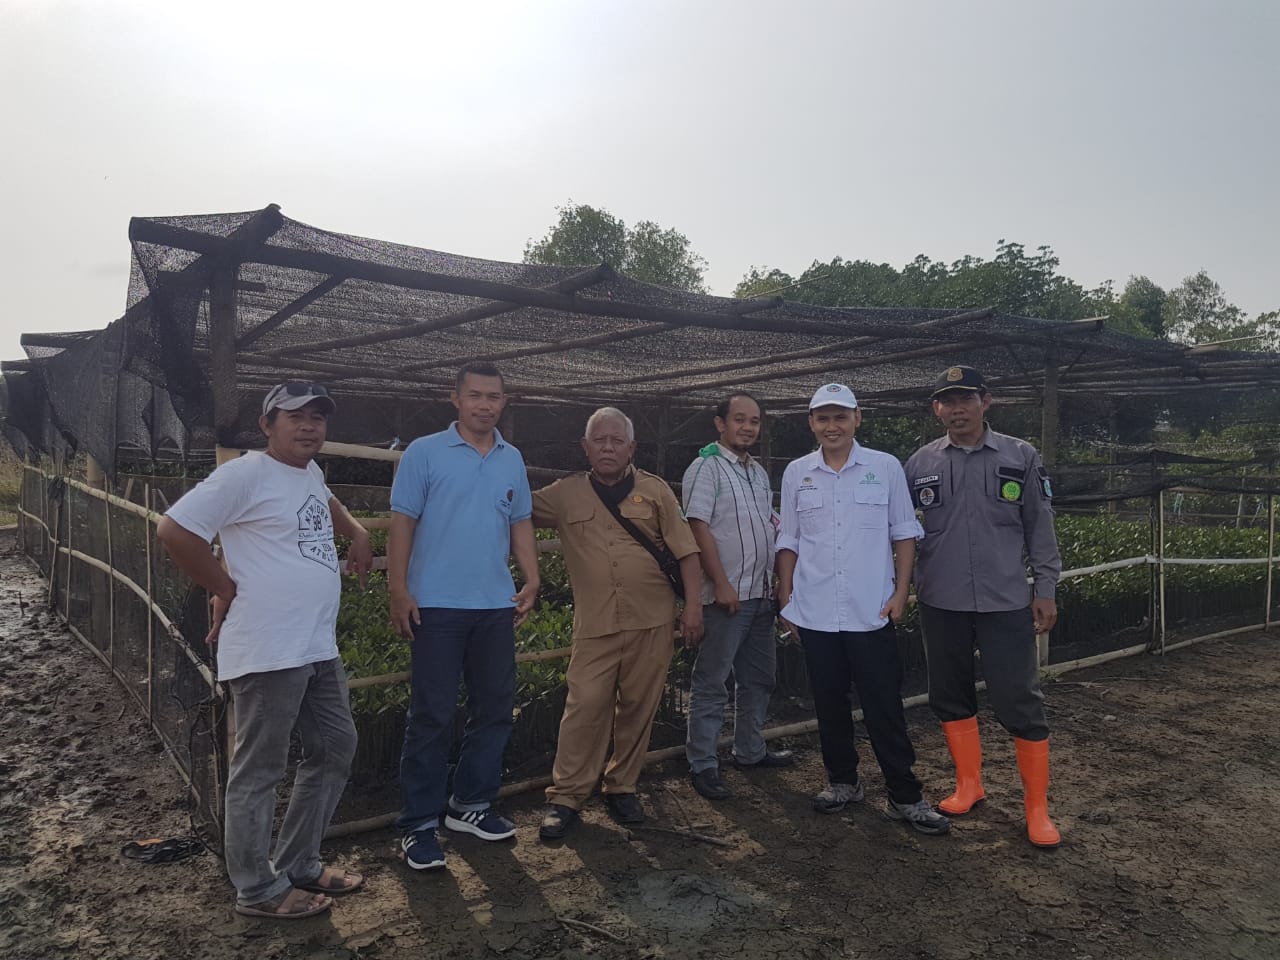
[{"x": 1165, "y": 778}]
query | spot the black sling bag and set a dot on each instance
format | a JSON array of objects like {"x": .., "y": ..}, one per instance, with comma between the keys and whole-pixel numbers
[{"x": 667, "y": 561}]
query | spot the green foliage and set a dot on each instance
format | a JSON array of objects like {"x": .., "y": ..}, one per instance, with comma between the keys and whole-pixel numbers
[
  {"x": 370, "y": 647},
  {"x": 1013, "y": 281},
  {"x": 586, "y": 235}
]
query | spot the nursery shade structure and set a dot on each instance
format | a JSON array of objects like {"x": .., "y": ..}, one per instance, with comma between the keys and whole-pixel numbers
[{"x": 222, "y": 305}]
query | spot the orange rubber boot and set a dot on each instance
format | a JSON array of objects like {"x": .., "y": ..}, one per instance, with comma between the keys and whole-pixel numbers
[
  {"x": 966, "y": 753},
  {"x": 1033, "y": 765}
]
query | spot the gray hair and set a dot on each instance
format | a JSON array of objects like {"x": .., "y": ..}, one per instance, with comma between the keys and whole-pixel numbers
[{"x": 610, "y": 413}]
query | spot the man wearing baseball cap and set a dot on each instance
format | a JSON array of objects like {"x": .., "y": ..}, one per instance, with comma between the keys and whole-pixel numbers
[
  {"x": 985, "y": 500},
  {"x": 275, "y": 610},
  {"x": 845, "y": 551}
]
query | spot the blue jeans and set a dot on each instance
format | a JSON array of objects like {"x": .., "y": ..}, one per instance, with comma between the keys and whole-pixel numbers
[
  {"x": 744, "y": 645},
  {"x": 479, "y": 647}
]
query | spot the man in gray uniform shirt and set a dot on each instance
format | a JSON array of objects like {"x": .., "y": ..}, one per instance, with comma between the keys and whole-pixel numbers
[{"x": 985, "y": 504}]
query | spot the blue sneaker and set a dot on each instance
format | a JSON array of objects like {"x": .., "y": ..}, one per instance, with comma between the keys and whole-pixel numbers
[
  {"x": 421, "y": 850},
  {"x": 484, "y": 824}
]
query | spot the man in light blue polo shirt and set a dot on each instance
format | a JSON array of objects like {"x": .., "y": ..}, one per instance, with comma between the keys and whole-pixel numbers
[
  {"x": 460, "y": 505},
  {"x": 845, "y": 553}
]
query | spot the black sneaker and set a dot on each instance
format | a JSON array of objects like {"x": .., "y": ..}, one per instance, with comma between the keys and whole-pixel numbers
[
  {"x": 421, "y": 850},
  {"x": 485, "y": 824},
  {"x": 557, "y": 821},
  {"x": 624, "y": 807},
  {"x": 708, "y": 783}
]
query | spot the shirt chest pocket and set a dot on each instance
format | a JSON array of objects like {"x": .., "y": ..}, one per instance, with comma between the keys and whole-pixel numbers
[
  {"x": 1010, "y": 488},
  {"x": 578, "y": 514},
  {"x": 809, "y": 510},
  {"x": 641, "y": 510},
  {"x": 871, "y": 506}
]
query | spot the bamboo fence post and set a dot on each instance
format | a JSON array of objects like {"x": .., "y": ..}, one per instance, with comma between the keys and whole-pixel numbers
[
  {"x": 1160, "y": 567},
  {"x": 111, "y": 587},
  {"x": 1271, "y": 552},
  {"x": 66, "y": 499},
  {"x": 151, "y": 615}
]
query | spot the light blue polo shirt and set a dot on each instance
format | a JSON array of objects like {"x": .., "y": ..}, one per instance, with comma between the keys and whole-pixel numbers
[{"x": 465, "y": 505}]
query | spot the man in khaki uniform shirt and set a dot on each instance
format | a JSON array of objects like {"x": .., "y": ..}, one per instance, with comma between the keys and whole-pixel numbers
[{"x": 624, "y": 611}]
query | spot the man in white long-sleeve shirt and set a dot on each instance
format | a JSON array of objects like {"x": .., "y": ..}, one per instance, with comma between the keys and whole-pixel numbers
[{"x": 845, "y": 553}]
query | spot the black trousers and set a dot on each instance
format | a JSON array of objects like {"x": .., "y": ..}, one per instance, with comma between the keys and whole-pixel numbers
[
  {"x": 1006, "y": 641},
  {"x": 868, "y": 663}
]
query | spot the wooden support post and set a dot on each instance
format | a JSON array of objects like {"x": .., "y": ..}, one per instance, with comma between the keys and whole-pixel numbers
[
  {"x": 151, "y": 615},
  {"x": 66, "y": 501},
  {"x": 111, "y": 590},
  {"x": 93, "y": 474},
  {"x": 222, "y": 352},
  {"x": 1271, "y": 552},
  {"x": 1049, "y": 411},
  {"x": 1160, "y": 568},
  {"x": 664, "y": 430}
]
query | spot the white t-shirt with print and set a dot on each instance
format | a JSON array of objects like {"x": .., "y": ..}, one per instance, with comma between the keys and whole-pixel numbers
[{"x": 277, "y": 538}]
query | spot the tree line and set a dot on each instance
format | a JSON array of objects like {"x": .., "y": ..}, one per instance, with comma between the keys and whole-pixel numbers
[{"x": 1013, "y": 281}]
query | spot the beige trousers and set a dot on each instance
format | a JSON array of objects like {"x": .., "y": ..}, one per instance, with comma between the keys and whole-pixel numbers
[{"x": 615, "y": 683}]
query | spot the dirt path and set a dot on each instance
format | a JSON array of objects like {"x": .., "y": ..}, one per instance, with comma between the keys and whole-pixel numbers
[{"x": 1165, "y": 776}]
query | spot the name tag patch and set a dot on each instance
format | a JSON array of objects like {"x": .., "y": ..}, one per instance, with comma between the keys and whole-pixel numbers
[{"x": 927, "y": 491}]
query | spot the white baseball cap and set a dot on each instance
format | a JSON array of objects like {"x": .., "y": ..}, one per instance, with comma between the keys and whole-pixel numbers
[
  {"x": 294, "y": 395},
  {"x": 834, "y": 395}
]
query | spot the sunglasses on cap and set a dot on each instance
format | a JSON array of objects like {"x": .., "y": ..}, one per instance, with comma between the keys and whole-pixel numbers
[{"x": 279, "y": 396}]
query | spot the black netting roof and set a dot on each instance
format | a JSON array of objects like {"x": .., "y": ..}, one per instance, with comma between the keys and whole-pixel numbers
[{"x": 391, "y": 324}]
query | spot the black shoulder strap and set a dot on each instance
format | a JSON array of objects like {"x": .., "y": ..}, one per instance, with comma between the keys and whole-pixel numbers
[{"x": 634, "y": 530}]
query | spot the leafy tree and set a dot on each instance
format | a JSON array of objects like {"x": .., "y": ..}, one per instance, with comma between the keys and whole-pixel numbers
[
  {"x": 1197, "y": 311},
  {"x": 583, "y": 234},
  {"x": 1138, "y": 311},
  {"x": 1013, "y": 281}
]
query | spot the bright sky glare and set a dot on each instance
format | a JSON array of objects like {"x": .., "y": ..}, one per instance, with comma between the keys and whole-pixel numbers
[{"x": 1132, "y": 136}]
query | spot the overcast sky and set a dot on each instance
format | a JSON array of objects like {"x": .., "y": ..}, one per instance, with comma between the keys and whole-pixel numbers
[{"x": 1132, "y": 137}]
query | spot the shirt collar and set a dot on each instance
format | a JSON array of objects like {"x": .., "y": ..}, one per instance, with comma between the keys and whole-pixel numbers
[
  {"x": 987, "y": 439},
  {"x": 455, "y": 438},
  {"x": 728, "y": 454},
  {"x": 857, "y": 456}
]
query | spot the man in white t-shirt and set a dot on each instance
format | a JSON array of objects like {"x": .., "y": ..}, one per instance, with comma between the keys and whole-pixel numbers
[{"x": 275, "y": 610}]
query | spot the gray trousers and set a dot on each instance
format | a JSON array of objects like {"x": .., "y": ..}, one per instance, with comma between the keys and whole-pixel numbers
[
  {"x": 744, "y": 646},
  {"x": 313, "y": 700},
  {"x": 1006, "y": 641}
]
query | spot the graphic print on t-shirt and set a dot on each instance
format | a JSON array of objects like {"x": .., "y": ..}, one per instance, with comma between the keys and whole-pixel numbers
[{"x": 315, "y": 533}]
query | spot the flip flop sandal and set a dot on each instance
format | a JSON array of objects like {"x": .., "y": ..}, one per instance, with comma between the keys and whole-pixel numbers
[
  {"x": 162, "y": 851},
  {"x": 345, "y": 883},
  {"x": 271, "y": 910}
]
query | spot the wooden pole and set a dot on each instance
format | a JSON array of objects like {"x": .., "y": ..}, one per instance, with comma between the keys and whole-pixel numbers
[
  {"x": 1271, "y": 552},
  {"x": 93, "y": 473},
  {"x": 222, "y": 352},
  {"x": 1049, "y": 412},
  {"x": 66, "y": 499},
  {"x": 1160, "y": 564},
  {"x": 151, "y": 617}
]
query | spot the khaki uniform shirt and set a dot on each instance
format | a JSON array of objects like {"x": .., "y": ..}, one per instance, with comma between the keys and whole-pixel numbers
[
  {"x": 617, "y": 584},
  {"x": 987, "y": 515}
]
